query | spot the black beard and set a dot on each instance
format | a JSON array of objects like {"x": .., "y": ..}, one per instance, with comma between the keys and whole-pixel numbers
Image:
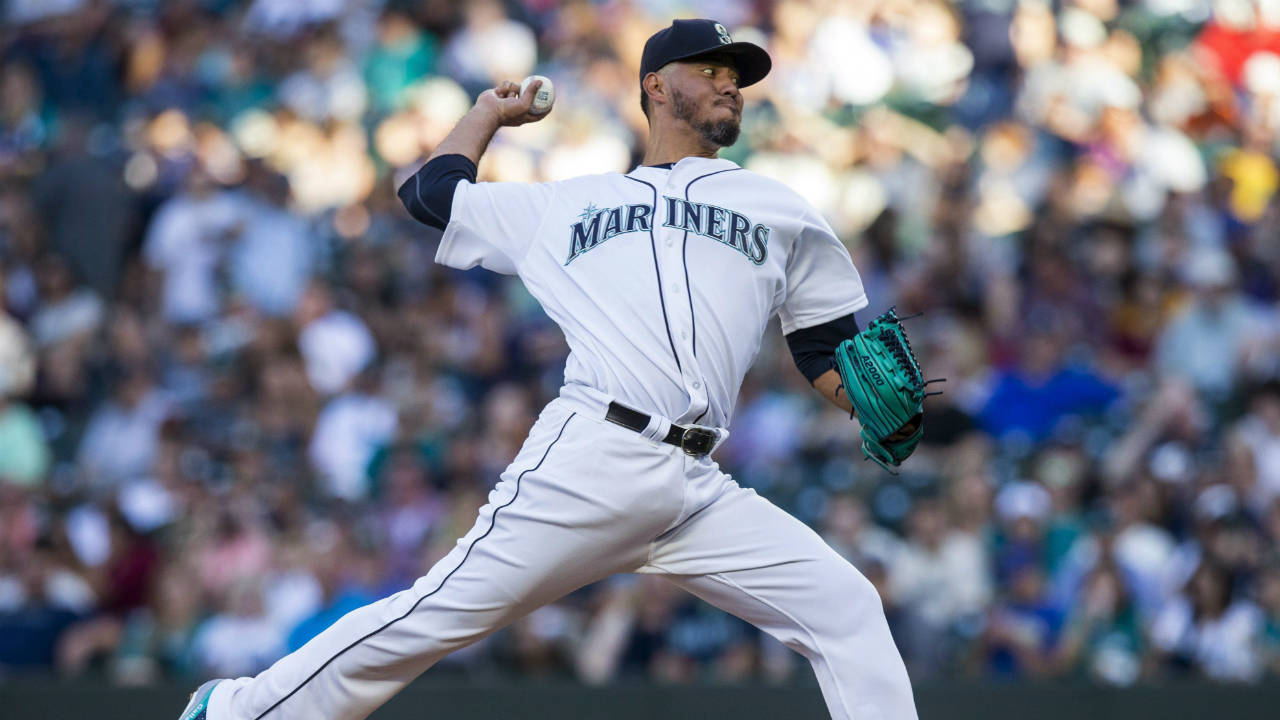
[{"x": 721, "y": 134}]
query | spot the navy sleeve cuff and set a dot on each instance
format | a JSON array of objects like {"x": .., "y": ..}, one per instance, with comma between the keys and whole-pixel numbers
[
  {"x": 428, "y": 195},
  {"x": 814, "y": 348}
]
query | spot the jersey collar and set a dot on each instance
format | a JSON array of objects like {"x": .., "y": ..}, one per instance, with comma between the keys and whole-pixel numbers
[{"x": 699, "y": 165}]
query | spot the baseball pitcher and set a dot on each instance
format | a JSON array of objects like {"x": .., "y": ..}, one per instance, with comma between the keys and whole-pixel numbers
[{"x": 663, "y": 280}]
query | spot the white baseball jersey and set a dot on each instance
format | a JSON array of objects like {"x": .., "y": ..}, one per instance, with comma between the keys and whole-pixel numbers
[{"x": 662, "y": 280}]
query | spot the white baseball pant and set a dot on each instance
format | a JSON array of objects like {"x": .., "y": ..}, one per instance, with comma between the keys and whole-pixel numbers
[{"x": 585, "y": 499}]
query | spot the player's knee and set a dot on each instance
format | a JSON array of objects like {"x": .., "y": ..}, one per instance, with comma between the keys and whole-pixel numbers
[{"x": 852, "y": 598}]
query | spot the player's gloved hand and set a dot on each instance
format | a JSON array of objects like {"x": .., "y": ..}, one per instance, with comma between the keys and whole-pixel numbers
[
  {"x": 882, "y": 380},
  {"x": 508, "y": 106}
]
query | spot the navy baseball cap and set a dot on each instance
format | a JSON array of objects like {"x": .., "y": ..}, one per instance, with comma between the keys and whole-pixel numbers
[{"x": 686, "y": 39}]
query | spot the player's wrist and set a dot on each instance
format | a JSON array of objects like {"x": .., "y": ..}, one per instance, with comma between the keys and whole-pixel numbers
[{"x": 486, "y": 112}]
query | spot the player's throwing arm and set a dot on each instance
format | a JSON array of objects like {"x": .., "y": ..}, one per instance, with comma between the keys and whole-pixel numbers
[
  {"x": 502, "y": 106},
  {"x": 428, "y": 196}
]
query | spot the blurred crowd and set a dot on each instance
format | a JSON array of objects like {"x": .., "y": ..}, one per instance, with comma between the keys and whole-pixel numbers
[{"x": 237, "y": 398}]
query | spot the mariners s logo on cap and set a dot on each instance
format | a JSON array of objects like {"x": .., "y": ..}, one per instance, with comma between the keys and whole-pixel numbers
[{"x": 687, "y": 39}]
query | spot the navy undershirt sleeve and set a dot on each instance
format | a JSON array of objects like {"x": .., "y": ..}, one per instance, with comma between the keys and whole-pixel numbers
[
  {"x": 428, "y": 195},
  {"x": 814, "y": 348}
]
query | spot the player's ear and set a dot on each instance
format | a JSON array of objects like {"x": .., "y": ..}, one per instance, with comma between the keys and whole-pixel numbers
[{"x": 655, "y": 87}]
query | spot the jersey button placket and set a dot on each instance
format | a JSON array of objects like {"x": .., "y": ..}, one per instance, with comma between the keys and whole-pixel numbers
[{"x": 679, "y": 315}]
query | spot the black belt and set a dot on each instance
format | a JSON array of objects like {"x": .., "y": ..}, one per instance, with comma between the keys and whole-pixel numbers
[{"x": 695, "y": 441}]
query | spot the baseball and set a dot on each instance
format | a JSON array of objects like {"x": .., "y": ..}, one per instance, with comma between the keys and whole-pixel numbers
[{"x": 546, "y": 95}]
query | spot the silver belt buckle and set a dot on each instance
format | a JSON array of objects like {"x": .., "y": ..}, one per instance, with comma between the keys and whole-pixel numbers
[{"x": 697, "y": 441}]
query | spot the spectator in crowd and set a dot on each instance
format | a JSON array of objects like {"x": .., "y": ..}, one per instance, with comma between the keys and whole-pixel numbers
[
  {"x": 1269, "y": 602},
  {"x": 66, "y": 314},
  {"x": 272, "y": 259},
  {"x": 123, "y": 586},
  {"x": 120, "y": 441},
  {"x": 24, "y": 451},
  {"x": 185, "y": 243},
  {"x": 349, "y": 432},
  {"x": 1209, "y": 630},
  {"x": 1031, "y": 400},
  {"x": 335, "y": 344},
  {"x": 347, "y": 580},
  {"x": 1023, "y": 509},
  {"x": 82, "y": 176},
  {"x": 1122, "y": 534},
  {"x": 1023, "y": 629},
  {"x": 411, "y": 511},
  {"x": 239, "y": 638},
  {"x": 1258, "y": 434},
  {"x": 1102, "y": 638},
  {"x": 940, "y": 580},
  {"x": 1205, "y": 345},
  {"x": 851, "y": 532},
  {"x": 41, "y": 595}
]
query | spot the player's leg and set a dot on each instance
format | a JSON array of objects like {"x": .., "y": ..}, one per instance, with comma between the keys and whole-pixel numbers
[
  {"x": 748, "y": 557},
  {"x": 565, "y": 513}
]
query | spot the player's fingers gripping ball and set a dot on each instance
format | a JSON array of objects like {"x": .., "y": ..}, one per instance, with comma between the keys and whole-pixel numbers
[
  {"x": 543, "y": 97},
  {"x": 882, "y": 380}
]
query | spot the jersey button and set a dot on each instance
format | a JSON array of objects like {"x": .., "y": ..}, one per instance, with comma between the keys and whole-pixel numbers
[
  {"x": 697, "y": 385},
  {"x": 684, "y": 336}
]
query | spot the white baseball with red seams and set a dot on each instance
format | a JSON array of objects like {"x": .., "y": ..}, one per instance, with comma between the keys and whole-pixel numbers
[{"x": 663, "y": 281}]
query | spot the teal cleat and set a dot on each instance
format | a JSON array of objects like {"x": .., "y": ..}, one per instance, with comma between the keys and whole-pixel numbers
[{"x": 198, "y": 706}]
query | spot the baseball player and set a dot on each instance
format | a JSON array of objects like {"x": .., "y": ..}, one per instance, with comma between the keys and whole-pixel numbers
[{"x": 663, "y": 280}]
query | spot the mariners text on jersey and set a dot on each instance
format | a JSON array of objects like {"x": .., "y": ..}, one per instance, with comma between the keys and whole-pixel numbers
[
  {"x": 732, "y": 228},
  {"x": 662, "y": 279}
]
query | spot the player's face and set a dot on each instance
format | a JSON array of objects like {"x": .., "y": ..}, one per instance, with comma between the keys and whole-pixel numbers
[{"x": 704, "y": 93}]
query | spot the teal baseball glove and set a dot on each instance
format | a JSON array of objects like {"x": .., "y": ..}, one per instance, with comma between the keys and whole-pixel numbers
[{"x": 881, "y": 378}]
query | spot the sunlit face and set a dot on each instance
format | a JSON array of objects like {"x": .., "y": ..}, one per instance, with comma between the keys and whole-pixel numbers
[{"x": 704, "y": 94}]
